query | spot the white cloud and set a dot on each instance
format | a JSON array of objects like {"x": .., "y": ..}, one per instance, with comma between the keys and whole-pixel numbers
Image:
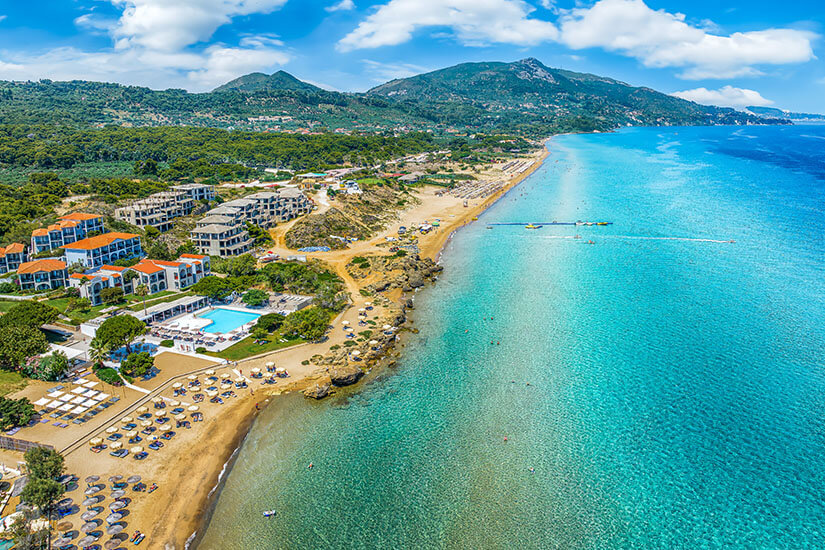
[
  {"x": 473, "y": 22},
  {"x": 728, "y": 96},
  {"x": 165, "y": 25},
  {"x": 3, "y": 17},
  {"x": 224, "y": 64},
  {"x": 89, "y": 21},
  {"x": 661, "y": 39},
  {"x": 343, "y": 5}
]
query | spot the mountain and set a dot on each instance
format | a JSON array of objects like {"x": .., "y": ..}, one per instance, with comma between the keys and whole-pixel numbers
[
  {"x": 524, "y": 97},
  {"x": 531, "y": 93},
  {"x": 771, "y": 112},
  {"x": 256, "y": 82}
]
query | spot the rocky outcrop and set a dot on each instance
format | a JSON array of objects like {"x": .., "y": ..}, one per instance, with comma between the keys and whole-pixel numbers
[
  {"x": 345, "y": 375},
  {"x": 406, "y": 273},
  {"x": 319, "y": 389}
]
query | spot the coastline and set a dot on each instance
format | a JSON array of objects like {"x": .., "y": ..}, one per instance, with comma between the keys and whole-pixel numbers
[{"x": 187, "y": 520}]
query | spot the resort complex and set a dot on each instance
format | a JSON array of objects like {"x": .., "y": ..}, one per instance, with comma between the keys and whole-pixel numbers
[
  {"x": 71, "y": 228},
  {"x": 12, "y": 256}
]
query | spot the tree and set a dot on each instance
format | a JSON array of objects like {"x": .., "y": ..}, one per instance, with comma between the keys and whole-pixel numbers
[
  {"x": 137, "y": 364},
  {"x": 112, "y": 295},
  {"x": 129, "y": 275},
  {"x": 44, "y": 463},
  {"x": 146, "y": 167},
  {"x": 42, "y": 493},
  {"x": 29, "y": 313},
  {"x": 97, "y": 351},
  {"x": 120, "y": 330},
  {"x": 152, "y": 232},
  {"x": 255, "y": 297},
  {"x": 49, "y": 367},
  {"x": 19, "y": 342},
  {"x": 143, "y": 292},
  {"x": 260, "y": 236},
  {"x": 310, "y": 323},
  {"x": 213, "y": 287},
  {"x": 270, "y": 322},
  {"x": 15, "y": 412},
  {"x": 83, "y": 304}
]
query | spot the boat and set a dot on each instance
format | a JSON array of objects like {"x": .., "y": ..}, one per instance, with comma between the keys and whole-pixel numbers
[
  {"x": 269, "y": 513},
  {"x": 531, "y": 226},
  {"x": 601, "y": 223},
  {"x": 475, "y": 218}
]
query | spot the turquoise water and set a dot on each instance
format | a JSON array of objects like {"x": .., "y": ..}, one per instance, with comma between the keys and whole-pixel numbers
[
  {"x": 676, "y": 387},
  {"x": 225, "y": 320}
]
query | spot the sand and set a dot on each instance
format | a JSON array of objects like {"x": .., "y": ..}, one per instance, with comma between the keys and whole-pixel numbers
[{"x": 188, "y": 467}]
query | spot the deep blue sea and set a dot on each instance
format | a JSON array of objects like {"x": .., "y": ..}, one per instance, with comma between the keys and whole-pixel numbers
[{"x": 661, "y": 388}]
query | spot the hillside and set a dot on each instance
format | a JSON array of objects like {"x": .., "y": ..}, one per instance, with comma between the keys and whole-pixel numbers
[
  {"x": 523, "y": 97},
  {"x": 772, "y": 112},
  {"x": 256, "y": 82},
  {"x": 528, "y": 93}
]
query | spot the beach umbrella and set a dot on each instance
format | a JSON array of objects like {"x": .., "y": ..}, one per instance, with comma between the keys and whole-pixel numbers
[
  {"x": 240, "y": 379},
  {"x": 165, "y": 427},
  {"x": 177, "y": 385},
  {"x": 387, "y": 327},
  {"x": 86, "y": 541},
  {"x": 209, "y": 372},
  {"x": 111, "y": 429},
  {"x": 114, "y": 529},
  {"x": 356, "y": 353},
  {"x": 126, "y": 419},
  {"x": 156, "y": 400},
  {"x": 280, "y": 370},
  {"x": 89, "y": 527},
  {"x": 256, "y": 370},
  {"x": 270, "y": 364},
  {"x": 152, "y": 438},
  {"x": 93, "y": 442},
  {"x": 193, "y": 408},
  {"x": 345, "y": 323},
  {"x": 117, "y": 505},
  {"x": 91, "y": 501},
  {"x": 141, "y": 410},
  {"x": 61, "y": 541},
  {"x": 367, "y": 304},
  {"x": 136, "y": 449},
  {"x": 114, "y": 517},
  {"x": 130, "y": 435},
  {"x": 120, "y": 493},
  {"x": 180, "y": 416},
  {"x": 116, "y": 445},
  {"x": 160, "y": 413},
  {"x": 64, "y": 526},
  {"x": 192, "y": 377},
  {"x": 116, "y": 478},
  {"x": 361, "y": 310},
  {"x": 174, "y": 403},
  {"x": 211, "y": 393},
  {"x": 93, "y": 479},
  {"x": 88, "y": 515},
  {"x": 133, "y": 479},
  {"x": 112, "y": 544},
  {"x": 92, "y": 490},
  {"x": 226, "y": 375},
  {"x": 373, "y": 343},
  {"x": 146, "y": 423}
]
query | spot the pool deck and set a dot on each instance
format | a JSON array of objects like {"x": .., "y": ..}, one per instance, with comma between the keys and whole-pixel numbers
[{"x": 188, "y": 346}]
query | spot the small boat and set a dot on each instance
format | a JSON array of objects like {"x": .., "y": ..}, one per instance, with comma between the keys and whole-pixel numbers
[
  {"x": 601, "y": 223},
  {"x": 531, "y": 226},
  {"x": 474, "y": 218},
  {"x": 269, "y": 513},
  {"x": 489, "y": 227}
]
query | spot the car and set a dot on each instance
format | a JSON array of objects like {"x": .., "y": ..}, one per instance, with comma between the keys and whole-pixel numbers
[
  {"x": 140, "y": 456},
  {"x": 120, "y": 453}
]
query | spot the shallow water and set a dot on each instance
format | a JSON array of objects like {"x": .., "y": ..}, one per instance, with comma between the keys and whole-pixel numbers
[{"x": 676, "y": 384}]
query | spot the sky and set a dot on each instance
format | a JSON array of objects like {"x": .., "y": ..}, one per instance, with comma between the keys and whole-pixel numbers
[{"x": 741, "y": 53}]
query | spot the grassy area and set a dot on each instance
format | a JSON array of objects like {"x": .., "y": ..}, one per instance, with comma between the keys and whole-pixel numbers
[
  {"x": 247, "y": 347},
  {"x": 11, "y": 382},
  {"x": 167, "y": 298},
  {"x": 135, "y": 299},
  {"x": 6, "y": 305},
  {"x": 82, "y": 316}
]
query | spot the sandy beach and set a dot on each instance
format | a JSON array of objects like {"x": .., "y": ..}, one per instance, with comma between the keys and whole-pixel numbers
[{"x": 187, "y": 469}]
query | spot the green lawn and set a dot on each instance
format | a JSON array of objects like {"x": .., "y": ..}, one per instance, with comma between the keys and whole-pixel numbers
[
  {"x": 6, "y": 305},
  {"x": 82, "y": 316},
  {"x": 153, "y": 301},
  {"x": 248, "y": 348},
  {"x": 161, "y": 294},
  {"x": 11, "y": 382}
]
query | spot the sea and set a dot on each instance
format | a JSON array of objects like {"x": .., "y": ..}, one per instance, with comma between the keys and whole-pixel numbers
[{"x": 656, "y": 383}]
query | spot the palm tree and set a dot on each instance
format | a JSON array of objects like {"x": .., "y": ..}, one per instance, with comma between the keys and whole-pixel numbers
[
  {"x": 97, "y": 351},
  {"x": 143, "y": 291}
]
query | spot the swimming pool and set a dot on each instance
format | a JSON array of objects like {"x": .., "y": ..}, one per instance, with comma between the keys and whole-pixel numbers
[{"x": 225, "y": 320}]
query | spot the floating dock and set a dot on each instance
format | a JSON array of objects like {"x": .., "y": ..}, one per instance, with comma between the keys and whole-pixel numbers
[{"x": 553, "y": 223}]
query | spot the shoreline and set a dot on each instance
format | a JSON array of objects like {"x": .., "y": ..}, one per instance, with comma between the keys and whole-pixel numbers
[{"x": 231, "y": 427}]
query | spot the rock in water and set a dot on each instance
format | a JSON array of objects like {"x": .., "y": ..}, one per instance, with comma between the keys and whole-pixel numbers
[
  {"x": 320, "y": 389},
  {"x": 345, "y": 375}
]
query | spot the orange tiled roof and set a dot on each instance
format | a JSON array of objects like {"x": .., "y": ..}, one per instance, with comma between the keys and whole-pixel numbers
[
  {"x": 80, "y": 276},
  {"x": 113, "y": 268},
  {"x": 80, "y": 216},
  {"x": 15, "y": 248},
  {"x": 163, "y": 263},
  {"x": 41, "y": 265},
  {"x": 40, "y": 233},
  {"x": 193, "y": 256},
  {"x": 147, "y": 268},
  {"x": 98, "y": 241}
]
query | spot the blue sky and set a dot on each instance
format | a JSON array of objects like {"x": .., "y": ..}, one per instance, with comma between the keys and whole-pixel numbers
[{"x": 757, "y": 52}]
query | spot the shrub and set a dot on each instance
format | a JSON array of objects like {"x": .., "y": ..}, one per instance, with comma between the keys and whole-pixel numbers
[
  {"x": 200, "y": 350},
  {"x": 15, "y": 412},
  {"x": 168, "y": 343},
  {"x": 349, "y": 344},
  {"x": 109, "y": 376},
  {"x": 270, "y": 322},
  {"x": 255, "y": 297},
  {"x": 137, "y": 364}
]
